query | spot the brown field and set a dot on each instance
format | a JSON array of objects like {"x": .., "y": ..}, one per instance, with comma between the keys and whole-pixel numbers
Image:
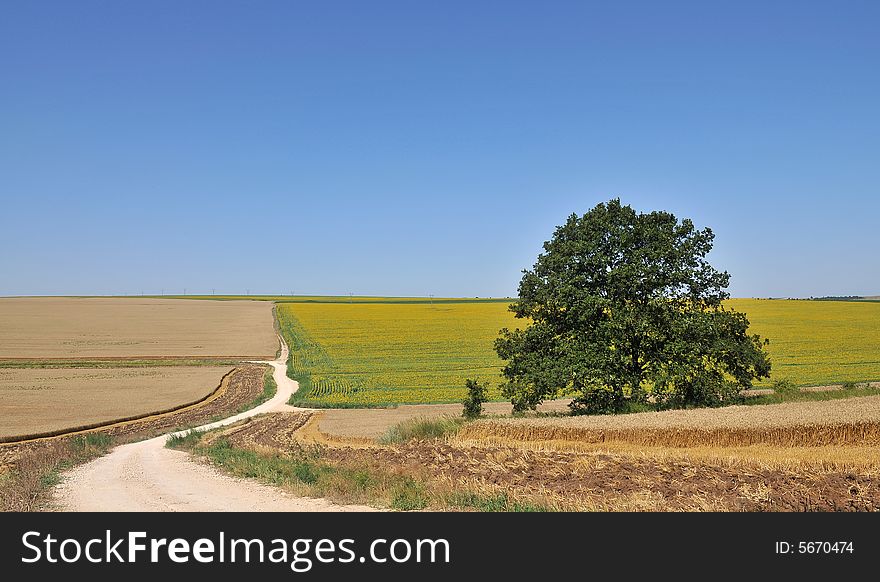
[
  {"x": 608, "y": 481},
  {"x": 41, "y": 328},
  {"x": 371, "y": 423},
  {"x": 42, "y": 400}
]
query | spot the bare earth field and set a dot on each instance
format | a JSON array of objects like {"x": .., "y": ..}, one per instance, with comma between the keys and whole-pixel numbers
[
  {"x": 371, "y": 423},
  {"x": 42, "y": 400},
  {"x": 41, "y": 328}
]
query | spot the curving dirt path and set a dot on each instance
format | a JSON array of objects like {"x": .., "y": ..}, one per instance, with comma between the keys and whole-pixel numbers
[{"x": 146, "y": 476}]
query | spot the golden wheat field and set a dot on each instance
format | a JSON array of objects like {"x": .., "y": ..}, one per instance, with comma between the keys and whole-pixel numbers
[
  {"x": 854, "y": 421},
  {"x": 386, "y": 353}
]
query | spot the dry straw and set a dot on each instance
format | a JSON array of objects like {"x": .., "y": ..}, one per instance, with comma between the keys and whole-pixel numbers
[{"x": 853, "y": 421}]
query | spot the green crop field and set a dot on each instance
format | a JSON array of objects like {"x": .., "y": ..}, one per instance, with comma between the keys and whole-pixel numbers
[
  {"x": 814, "y": 343},
  {"x": 369, "y": 351},
  {"x": 387, "y": 353}
]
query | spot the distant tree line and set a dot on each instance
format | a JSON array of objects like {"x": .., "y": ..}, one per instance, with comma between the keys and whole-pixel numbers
[{"x": 838, "y": 298}]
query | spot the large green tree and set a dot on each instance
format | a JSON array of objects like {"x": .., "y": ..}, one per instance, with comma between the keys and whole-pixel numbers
[{"x": 624, "y": 307}]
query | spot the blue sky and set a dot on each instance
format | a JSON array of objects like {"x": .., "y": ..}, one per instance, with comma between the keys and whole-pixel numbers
[{"x": 413, "y": 148}]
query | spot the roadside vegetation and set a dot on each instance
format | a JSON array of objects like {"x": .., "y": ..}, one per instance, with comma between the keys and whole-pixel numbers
[
  {"x": 25, "y": 486},
  {"x": 312, "y": 471},
  {"x": 189, "y": 438}
]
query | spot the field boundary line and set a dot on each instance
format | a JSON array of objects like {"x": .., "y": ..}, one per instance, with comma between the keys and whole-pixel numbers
[{"x": 98, "y": 359}]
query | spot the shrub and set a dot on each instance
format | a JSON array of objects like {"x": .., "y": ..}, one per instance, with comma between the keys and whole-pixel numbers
[
  {"x": 600, "y": 400},
  {"x": 476, "y": 396},
  {"x": 420, "y": 429},
  {"x": 784, "y": 387}
]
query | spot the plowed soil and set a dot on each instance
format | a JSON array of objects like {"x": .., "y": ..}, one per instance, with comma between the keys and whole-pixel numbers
[
  {"x": 275, "y": 431},
  {"x": 624, "y": 482}
]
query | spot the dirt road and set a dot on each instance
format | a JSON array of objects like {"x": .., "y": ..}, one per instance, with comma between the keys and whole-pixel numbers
[{"x": 146, "y": 476}]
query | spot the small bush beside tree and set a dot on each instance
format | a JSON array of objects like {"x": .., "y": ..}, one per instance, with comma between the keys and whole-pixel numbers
[{"x": 477, "y": 394}]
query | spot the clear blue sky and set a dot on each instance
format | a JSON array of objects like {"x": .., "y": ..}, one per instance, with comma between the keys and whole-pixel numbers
[{"x": 410, "y": 148}]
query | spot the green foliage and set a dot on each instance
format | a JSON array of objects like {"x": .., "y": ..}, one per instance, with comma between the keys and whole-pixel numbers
[
  {"x": 185, "y": 441},
  {"x": 600, "y": 400},
  {"x": 623, "y": 307},
  {"x": 477, "y": 394},
  {"x": 306, "y": 466},
  {"x": 491, "y": 503},
  {"x": 409, "y": 495},
  {"x": 420, "y": 429},
  {"x": 90, "y": 443},
  {"x": 273, "y": 469},
  {"x": 784, "y": 387}
]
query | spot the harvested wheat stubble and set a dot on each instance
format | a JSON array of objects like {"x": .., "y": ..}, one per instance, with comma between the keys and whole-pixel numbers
[
  {"x": 36, "y": 401},
  {"x": 854, "y": 421},
  {"x": 40, "y": 328}
]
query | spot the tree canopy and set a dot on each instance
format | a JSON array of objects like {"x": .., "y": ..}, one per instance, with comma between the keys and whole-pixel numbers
[{"x": 623, "y": 307}]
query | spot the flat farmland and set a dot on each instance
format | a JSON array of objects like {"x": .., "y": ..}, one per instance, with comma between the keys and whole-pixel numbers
[
  {"x": 363, "y": 353},
  {"x": 40, "y": 400},
  {"x": 38, "y": 328},
  {"x": 818, "y": 342},
  {"x": 69, "y": 362},
  {"x": 391, "y": 353}
]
